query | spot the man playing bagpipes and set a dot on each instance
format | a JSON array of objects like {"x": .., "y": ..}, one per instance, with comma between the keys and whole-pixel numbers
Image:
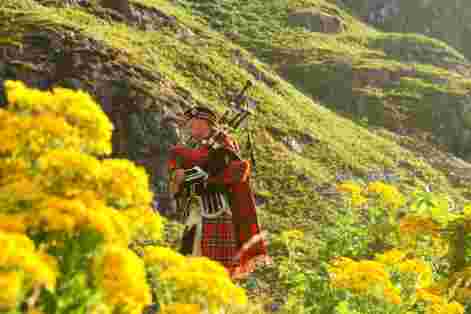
[{"x": 225, "y": 227}]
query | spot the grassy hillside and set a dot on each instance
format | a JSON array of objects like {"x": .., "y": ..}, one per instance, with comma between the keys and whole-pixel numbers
[
  {"x": 444, "y": 20},
  {"x": 398, "y": 80},
  {"x": 176, "y": 58}
]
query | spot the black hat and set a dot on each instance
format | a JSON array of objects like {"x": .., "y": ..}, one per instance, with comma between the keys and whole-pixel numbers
[{"x": 201, "y": 113}]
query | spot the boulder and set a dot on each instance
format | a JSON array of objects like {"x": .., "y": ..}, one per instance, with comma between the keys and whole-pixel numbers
[
  {"x": 121, "y": 6},
  {"x": 316, "y": 21}
]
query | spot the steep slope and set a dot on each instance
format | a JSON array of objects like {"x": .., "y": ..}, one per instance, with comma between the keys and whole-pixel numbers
[
  {"x": 409, "y": 83},
  {"x": 444, "y": 20},
  {"x": 166, "y": 60}
]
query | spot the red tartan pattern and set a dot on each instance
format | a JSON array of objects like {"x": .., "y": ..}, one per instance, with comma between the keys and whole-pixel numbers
[
  {"x": 223, "y": 238},
  {"x": 219, "y": 244},
  {"x": 218, "y": 241}
]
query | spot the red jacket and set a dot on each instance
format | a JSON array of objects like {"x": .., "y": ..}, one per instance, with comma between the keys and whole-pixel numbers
[{"x": 235, "y": 177}]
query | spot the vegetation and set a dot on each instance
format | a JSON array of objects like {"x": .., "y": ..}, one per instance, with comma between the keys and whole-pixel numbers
[
  {"x": 186, "y": 59},
  {"x": 359, "y": 70},
  {"x": 72, "y": 227}
]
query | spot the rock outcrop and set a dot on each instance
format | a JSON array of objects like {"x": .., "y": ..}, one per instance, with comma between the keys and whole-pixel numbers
[{"x": 316, "y": 21}]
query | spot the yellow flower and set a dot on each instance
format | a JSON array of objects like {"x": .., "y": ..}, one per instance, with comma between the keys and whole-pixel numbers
[
  {"x": 413, "y": 266},
  {"x": 123, "y": 278},
  {"x": 358, "y": 200},
  {"x": 13, "y": 222},
  {"x": 391, "y": 257},
  {"x": 349, "y": 187},
  {"x": 91, "y": 124},
  {"x": 144, "y": 223},
  {"x": 363, "y": 277},
  {"x": 181, "y": 309},
  {"x": 389, "y": 194},
  {"x": 10, "y": 287},
  {"x": 418, "y": 225},
  {"x": 392, "y": 296},
  {"x": 467, "y": 210},
  {"x": 163, "y": 257},
  {"x": 428, "y": 295},
  {"x": 18, "y": 251},
  {"x": 292, "y": 235},
  {"x": 445, "y": 308}
]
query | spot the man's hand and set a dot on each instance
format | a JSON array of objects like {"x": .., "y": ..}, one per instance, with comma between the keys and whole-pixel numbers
[
  {"x": 176, "y": 182},
  {"x": 179, "y": 176}
]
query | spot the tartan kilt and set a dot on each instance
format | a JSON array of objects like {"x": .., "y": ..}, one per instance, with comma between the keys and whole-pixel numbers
[{"x": 218, "y": 241}]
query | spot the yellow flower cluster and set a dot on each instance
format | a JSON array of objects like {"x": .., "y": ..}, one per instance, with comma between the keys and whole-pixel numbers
[
  {"x": 389, "y": 195},
  {"x": 349, "y": 187},
  {"x": 367, "y": 277},
  {"x": 397, "y": 260},
  {"x": 11, "y": 170},
  {"x": 123, "y": 277},
  {"x": 22, "y": 267},
  {"x": 436, "y": 303},
  {"x": 49, "y": 182},
  {"x": 163, "y": 257},
  {"x": 23, "y": 190},
  {"x": 144, "y": 223},
  {"x": 429, "y": 295},
  {"x": 11, "y": 284},
  {"x": 467, "y": 211},
  {"x": 292, "y": 235},
  {"x": 32, "y": 136},
  {"x": 196, "y": 279},
  {"x": 76, "y": 109},
  {"x": 181, "y": 309},
  {"x": 77, "y": 214},
  {"x": 418, "y": 268},
  {"x": 391, "y": 257},
  {"x": 68, "y": 172},
  {"x": 363, "y": 277},
  {"x": 445, "y": 308},
  {"x": 73, "y": 215},
  {"x": 413, "y": 224},
  {"x": 355, "y": 191},
  {"x": 125, "y": 181}
]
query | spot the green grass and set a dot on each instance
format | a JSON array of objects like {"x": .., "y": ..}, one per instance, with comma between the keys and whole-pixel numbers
[
  {"x": 204, "y": 66},
  {"x": 323, "y": 66},
  {"x": 444, "y": 20}
]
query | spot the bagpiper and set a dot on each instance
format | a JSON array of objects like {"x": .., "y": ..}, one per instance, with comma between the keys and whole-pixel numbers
[{"x": 224, "y": 228}]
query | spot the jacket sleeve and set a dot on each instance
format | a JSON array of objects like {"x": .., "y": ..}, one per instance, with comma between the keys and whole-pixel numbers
[
  {"x": 235, "y": 172},
  {"x": 190, "y": 157}
]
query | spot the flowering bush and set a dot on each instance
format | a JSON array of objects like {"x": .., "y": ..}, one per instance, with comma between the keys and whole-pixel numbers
[
  {"x": 68, "y": 219},
  {"x": 383, "y": 253},
  {"x": 192, "y": 280},
  {"x": 408, "y": 277}
]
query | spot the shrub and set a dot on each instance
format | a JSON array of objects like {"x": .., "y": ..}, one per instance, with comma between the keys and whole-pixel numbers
[{"x": 68, "y": 219}]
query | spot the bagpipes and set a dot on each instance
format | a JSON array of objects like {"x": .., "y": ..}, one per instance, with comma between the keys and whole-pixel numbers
[
  {"x": 240, "y": 109},
  {"x": 230, "y": 121}
]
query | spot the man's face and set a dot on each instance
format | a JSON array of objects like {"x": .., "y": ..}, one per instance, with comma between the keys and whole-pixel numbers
[{"x": 200, "y": 128}]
